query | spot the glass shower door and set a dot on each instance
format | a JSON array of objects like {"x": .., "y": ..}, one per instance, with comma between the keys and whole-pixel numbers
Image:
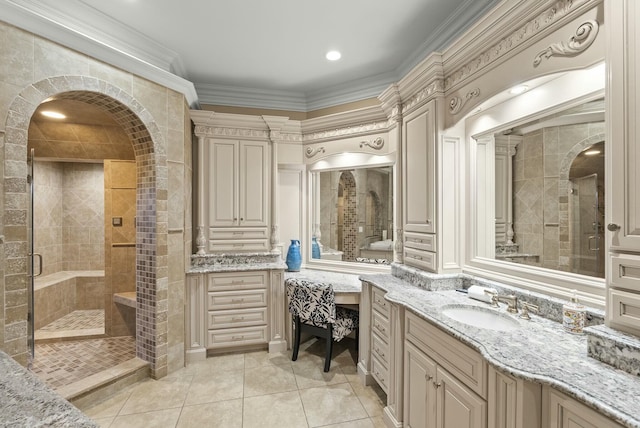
[
  {"x": 31, "y": 261},
  {"x": 586, "y": 231}
]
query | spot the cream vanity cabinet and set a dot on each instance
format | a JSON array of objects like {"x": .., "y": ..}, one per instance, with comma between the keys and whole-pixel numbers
[
  {"x": 380, "y": 338},
  {"x": 445, "y": 382},
  {"x": 419, "y": 132},
  {"x": 565, "y": 412},
  {"x": 238, "y": 195},
  {"x": 234, "y": 311},
  {"x": 623, "y": 194}
]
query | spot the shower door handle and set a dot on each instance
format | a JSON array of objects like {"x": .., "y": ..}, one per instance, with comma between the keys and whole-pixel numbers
[
  {"x": 39, "y": 256},
  {"x": 592, "y": 239}
]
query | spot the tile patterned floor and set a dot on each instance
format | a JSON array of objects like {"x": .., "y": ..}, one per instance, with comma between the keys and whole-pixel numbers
[
  {"x": 254, "y": 389},
  {"x": 63, "y": 363}
]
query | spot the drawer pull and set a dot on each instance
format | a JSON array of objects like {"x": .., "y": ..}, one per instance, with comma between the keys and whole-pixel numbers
[
  {"x": 381, "y": 302},
  {"x": 237, "y": 319},
  {"x": 379, "y": 376},
  {"x": 237, "y": 233},
  {"x": 237, "y": 300},
  {"x": 237, "y": 337},
  {"x": 379, "y": 352},
  {"x": 237, "y": 281},
  {"x": 382, "y": 329}
]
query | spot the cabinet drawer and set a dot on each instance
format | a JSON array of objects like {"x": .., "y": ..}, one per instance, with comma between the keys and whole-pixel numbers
[
  {"x": 236, "y": 318},
  {"x": 380, "y": 326},
  {"x": 226, "y": 234},
  {"x": 220, "y": 300},
  {"x": 420, "y": 241},
  {"x": 246, "y": 245},
  {"x": 235, "y": 281},
  {"x": 625, "y": 308},
  {"x": 236, "y": 337},
  {"x": 380, "y": 373},
  {"x": 565, "y": 412},
  {"x": 380, "y": 348},
  {"x": 379, "y": 303},
  {"x": 625, "y": 272},
  {"x": 421, "y": 259},
  {"x": 460, "y": 360}
]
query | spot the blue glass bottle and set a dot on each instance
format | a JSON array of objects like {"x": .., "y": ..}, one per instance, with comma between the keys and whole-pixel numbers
[{"x": 294, "y": 259}]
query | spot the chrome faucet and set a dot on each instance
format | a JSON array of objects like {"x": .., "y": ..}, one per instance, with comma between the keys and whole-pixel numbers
[{"x": 510, "y": 299}]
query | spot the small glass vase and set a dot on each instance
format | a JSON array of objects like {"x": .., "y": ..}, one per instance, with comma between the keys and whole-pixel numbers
[{"x": 315, "y": 249}]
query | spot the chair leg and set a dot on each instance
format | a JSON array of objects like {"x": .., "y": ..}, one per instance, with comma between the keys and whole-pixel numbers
[
  {"x": 329, "y": 338},
  {"x": 296, "y": 341}
]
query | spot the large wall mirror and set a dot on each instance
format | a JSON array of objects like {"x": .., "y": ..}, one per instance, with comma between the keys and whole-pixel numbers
[
  {"x": 537, "y": 186},
  {"x": 351, "y": 219}
]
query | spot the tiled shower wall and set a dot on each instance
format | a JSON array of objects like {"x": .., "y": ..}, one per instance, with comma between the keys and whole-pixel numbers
[{"x": 68, "y": 216}]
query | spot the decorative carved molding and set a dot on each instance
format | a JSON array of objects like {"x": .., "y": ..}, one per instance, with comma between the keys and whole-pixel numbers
[
  {"x": 311, "y": 152},
  {"x": 286, "y": 137},
  {"x": 376, "y": 144},
  {"x": 585, "y": 35},
  {"x": 424, "y": 94},
  {"x": 350, "y": 131},
  {"x": 456, "y": 103},
  {"x": 547, "y": 18},
  {"x": 215, "y": 131}
]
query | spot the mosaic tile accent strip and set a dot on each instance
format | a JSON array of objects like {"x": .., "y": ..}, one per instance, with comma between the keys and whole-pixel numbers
[{"x": 63, "y": 363}]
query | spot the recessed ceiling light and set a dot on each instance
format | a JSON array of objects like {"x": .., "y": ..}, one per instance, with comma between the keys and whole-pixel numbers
[
  {"x": 333, "y": 55},
  {"x": 517, "y": 90},
  {"x": 592, "y": 152},
  {"x": 53, "y": 114}
]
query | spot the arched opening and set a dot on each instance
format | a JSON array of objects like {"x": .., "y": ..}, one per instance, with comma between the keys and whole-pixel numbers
[{"x": 150, "y": 200}]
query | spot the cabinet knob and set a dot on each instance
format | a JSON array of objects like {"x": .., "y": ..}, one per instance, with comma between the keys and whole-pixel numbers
[
  {"x": 613, "y": 227},
  {"x": 429, "y": 377},
  {"x": 437, "y": 385}
]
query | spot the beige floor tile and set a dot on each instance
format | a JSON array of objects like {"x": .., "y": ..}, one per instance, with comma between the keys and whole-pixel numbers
[
  {"x": 360, "y": 423},
  {"x": 216, "y": 364},
  {"x": 331, "y": 404},
  {"x": 378, "y": 422},
  {"x": 215, "y": 387},
  {"x": 310, "y": 373},
  {"x": 264, "y": 358},
  {"x": 372, "y": 398},
  {"x": 269, "y": 380},
  {"x": 158, "y": 419},
  {"x": 274, "y": 411},
  {"x": 103, "y": 422},
  {"x": 166, "y": 393},
  {"x": 222, "y": 414},
  {"x": 110, "y": 407}
]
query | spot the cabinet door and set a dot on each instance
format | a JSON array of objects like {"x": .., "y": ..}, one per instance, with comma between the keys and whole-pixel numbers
[
  {"x": 223, "y": 183},
  {"x": 253, "y": 183},
  {"x": 565, "y": 412},
  {"x": 623, "y": 108},
  {"x": 419, "y": 177},
  {"x": 419, "y": 390},
  {"x": 513, "y": 403},
  {"x": 457, "y": 405}
]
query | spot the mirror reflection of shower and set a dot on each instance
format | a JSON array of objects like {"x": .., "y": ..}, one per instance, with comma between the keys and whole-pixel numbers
[
  {"x": 356, "y": 215},
  {"x": 586, "y": 211}
]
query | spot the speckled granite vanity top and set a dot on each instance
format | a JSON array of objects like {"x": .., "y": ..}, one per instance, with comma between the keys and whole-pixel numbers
[
  {"x": 539, "y": 350},
  {"x": 27, "y": 402},
  {"x": 211, "y": 263}
]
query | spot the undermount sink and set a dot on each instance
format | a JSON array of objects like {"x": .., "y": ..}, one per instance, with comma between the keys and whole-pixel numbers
[{"x": 481, "y": 317}]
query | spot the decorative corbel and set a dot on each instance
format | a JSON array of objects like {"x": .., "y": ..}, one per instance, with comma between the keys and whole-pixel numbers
[
  {"x": 456, "y": 103},
  {"x": 585, "y": 35},
  {"x": 311, "y": 152},
  {"x": 376, "y": 144}
]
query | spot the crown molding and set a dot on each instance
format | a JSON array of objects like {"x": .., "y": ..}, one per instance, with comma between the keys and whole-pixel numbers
[
  {"x": 237, "y": 96},
  {"x": 50, "y": 21}
]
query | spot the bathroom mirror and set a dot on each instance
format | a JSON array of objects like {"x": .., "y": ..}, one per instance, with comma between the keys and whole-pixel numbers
[
  {"x": 352, "y": 214},
  {"x": 536, "y": 186},
  {"x": 549, "y": 194}
]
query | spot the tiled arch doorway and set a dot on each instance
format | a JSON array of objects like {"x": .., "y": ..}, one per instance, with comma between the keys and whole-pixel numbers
[{"x": 151, "y": 201}]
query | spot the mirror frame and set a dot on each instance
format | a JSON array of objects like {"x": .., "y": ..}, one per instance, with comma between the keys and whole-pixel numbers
[
  {"x": 340, "y": 161},
  {"x": 569, "y": 89}
]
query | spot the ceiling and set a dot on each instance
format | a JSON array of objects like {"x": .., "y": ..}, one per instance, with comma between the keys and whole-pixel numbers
[{"x": 269, "y": 54}]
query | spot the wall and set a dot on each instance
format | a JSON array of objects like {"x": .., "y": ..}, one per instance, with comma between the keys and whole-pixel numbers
[{"x": 155, "y": 119}]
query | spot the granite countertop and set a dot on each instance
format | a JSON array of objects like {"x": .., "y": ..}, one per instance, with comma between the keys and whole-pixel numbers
[
  {"x": 540, "y": 350},
  {"x": 238, "y": 267},
  {"x": 28, "y": 402},
  {"x": 235, "y": 262}
]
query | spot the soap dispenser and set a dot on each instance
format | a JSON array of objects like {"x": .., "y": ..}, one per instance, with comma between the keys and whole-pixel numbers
[{"x": 573, "y": 315}]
